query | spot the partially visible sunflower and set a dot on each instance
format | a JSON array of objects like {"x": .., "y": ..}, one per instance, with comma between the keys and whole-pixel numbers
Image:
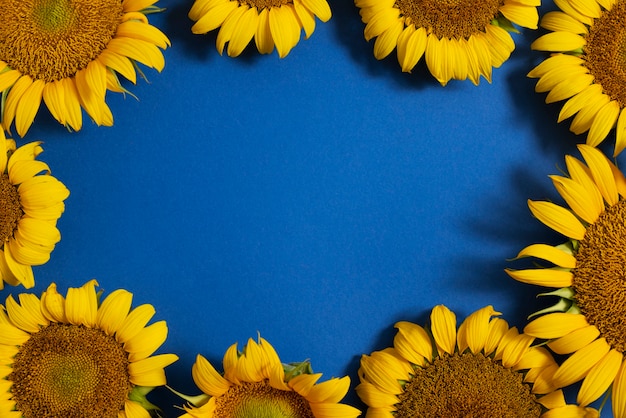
[
  {"x": 32, "y": 202},
  {"x": 256, "y": 382},
  {"x": 75, "y": 356},
  {"x": 270, "y": 22},
  {"x": 482, "y": 369},
  {"x": 68, "y": 53},
  {"x": 587, "y": 67},
  {"x": 459, "y": 39},
  {"x": 589, "y": 322}
]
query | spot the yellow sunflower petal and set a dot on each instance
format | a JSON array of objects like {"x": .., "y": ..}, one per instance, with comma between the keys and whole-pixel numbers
[
  {"x": 555, "y": 62},
  {"x": 31, "y": 255},
  {"x": 228, "y": 27},
  {"x": 139, "y": 30},
  {"x": 548, "y": 253},
  {"x": 113, "y": 311},
  {"x": 209, "y": 380},
  {"x": 146, "y": 342},
  {"x": 319, "y": 8},
  {"x": 37, "y": 233},
  {"x": 28, "y": 106},
  {"x": 534, "y": 358},
  {"x": 584, "y": 118},
  {"x": 500, "y": 44},
  {"x": 12, "y": 336},
  {"x": 383, "y": 370},
  {"x": 578, "y": 364},
  {"x": 601, "y": 172},
  {"x": 22, "y": 273},
  {"x": 574, "y": 340},
  {"x": 566, "y": 6},
  {"x": 284, "y": 28},
  {"x": 243, "y": 32},
  {"x": 618, "y": 391},
  {"x": 569, "y": 87},
  {"x": 302, "y": 384},
  {"x": 413, "y": 343},
  {"x": 148, "y": 372},
  {"x": 380, "y": 22},
  {"x": 53, "y": 304},
  {"x": 515, "y": 350},
  {"x": 600, "y": 377},
  {"x": 81, "y": 304},
  {"x": 263, "y": 36},
  {"x": 550, "y": 79},
  {"x": 411, "y": 47},
  {"x": 375, "y": 398},
  {"x": 562, "y": 22},
  {"x": 134, "y": 322},
  {"x": 478, "y": 328},
  {"x": 136, "y": 5},
  {"x": 479, "y": 44},
  {"x": 437, "y": 59},
  {"x": 202, "y": 7},
  {"x": 603, "y": 122},
  {"x": 589, "y": 8},
  {"x": 520, "y": 14},
  {"x": 334, "y": 410},
  {"x": 443, "y": 327},
  {"x": 552, "y": 400},
  {"x": 27, "y": 314},
  {"x": 139, "y": 50},
  {"x": 579, "y": 101},
  {"x": 582, "y": 201},
  {"x": 558, "y": 42},
  {"x": 214, "y": 18},
  {"x": 555, "y": 325},
  {"x": 330, "y": 391},
  {"x": 13, "y": 98},
  {"x": 386, "y": 42},
  {"x": 567, "y": 411},
  {"x": 134, "y": 410},
  {"x": 306, "y": 17},
  {"x": 119, "y": 64},
  {"x": 547, "y": 277},
  {"x": 559, "y": 219},
  {"x": 498, "y": 328}
]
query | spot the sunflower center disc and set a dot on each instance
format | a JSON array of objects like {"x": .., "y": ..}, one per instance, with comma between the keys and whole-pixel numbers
[
  {"x": 453, "y": 19},
  {"x": 600, "y": 275},
  {"x": 468, "y": 385},
  {"x": 605, "y": 52},
  {"x": 265, "y": 4},
  {"x": 260, "y": 400},
  {"x": 69, "y": 371},
  {"x": 11, "y": 211},
  {"x": 54, "y": 39}
]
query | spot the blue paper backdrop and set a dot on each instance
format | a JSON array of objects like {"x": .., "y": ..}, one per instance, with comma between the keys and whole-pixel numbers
[{"x": 315, "y": 200}]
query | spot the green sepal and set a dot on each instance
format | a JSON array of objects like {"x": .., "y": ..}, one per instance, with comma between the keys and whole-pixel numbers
[
  {"x": 563, "y": 305},
  {"x": 504, "y": 23},
  {"x": 295, "y": 369},
  {"x": 564, "y": 293},
  {"x": 196, "y": 401},
  {"x": 138, "y": 394}
]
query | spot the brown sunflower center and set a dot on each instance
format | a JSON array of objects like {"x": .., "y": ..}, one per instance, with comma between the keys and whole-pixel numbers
[
  {"x": 600, "y": 275},
  {"x": 11, "y": 208},
  {"x": 54, "y": 39},
  {"x": 605, "y": 52},
  {"x": 265, "y": 4},
  {"x": 70, "y": 371},
  {"x": 450, "y": 18},
  {"x": 260, "y": 400},
  {"x": 468, "y": 385}
]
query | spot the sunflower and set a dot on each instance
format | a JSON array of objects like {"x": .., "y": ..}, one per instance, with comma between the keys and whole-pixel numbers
[
  {"x": 68, "y": 53},
  {"x": 76, "y": 357},
  {"x": 270, "y": 22},
  {"x": 483, "y": 369},
  {"x": 256, "y": 384},
  {"x": 459, "y": 39},
  {"x": 587, "y": 67},
  {"x": 588, "y": 324},
  {"x": 31, "y": 201}
]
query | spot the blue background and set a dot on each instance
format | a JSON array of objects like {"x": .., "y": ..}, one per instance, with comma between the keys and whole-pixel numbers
[{"x": 316, "y": 199}]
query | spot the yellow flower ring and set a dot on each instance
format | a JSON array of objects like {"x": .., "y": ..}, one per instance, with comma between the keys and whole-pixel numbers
[
  {"x": 440, "y": 371},
  {"x": 32, "y": 201},
  {"x": 75, "y": 356},
  {"x": 255, "y": 383},
  {"x": 270, "y": 22},
  {"x": 459, "y": 40},
  {"x": 588, "y": 274},
  {"x": 68, "y": 53},
  {"x": 587, "y": 67}
]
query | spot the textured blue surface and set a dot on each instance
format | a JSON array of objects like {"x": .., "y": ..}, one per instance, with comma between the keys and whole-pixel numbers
[{"x": 316, "y": 199}]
